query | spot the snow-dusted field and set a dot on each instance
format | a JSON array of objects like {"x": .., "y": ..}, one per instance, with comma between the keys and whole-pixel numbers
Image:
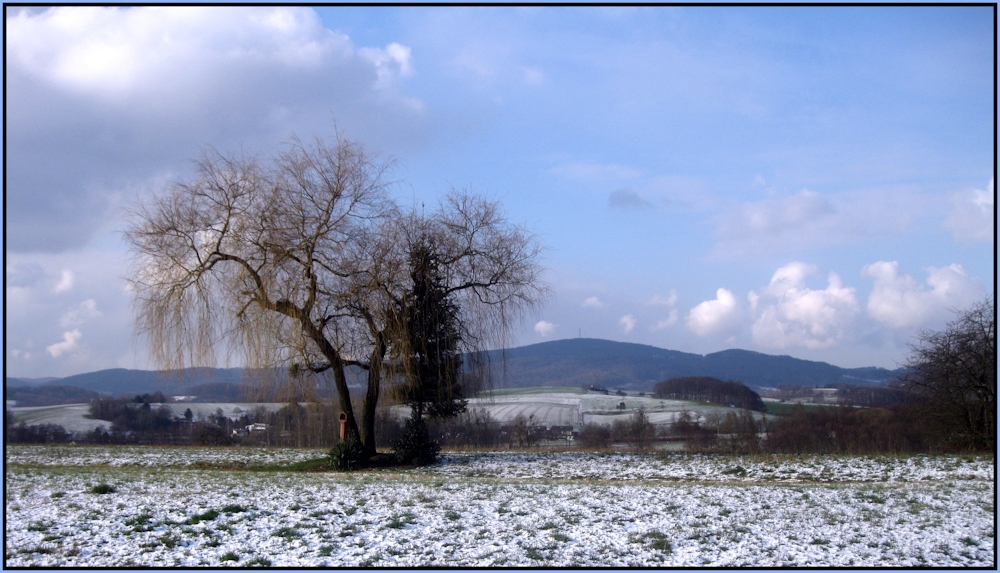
[
  {"x": 573, "y": 406},
  {"x": 497, "y": 509}
]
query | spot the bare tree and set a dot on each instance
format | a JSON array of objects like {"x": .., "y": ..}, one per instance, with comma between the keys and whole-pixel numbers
[
  {"x": 954, "y": 371},
  {"x": 299, "y": 261}
]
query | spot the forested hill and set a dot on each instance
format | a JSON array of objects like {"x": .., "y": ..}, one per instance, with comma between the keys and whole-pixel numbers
[
  {"x": 570, "y": 362},
  {"x": 577, "y": 361},
  {"x": 121, "y": 380}
]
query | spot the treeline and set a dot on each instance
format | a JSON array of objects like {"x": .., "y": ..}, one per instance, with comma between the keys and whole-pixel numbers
[{"x": 711, "y": 390}]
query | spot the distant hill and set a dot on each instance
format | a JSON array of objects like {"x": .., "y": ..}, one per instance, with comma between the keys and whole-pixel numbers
[
  {"x": 577, "y": 361},
  {"x": 27, "y": 396},
  {"x": 571, "y": 362}
]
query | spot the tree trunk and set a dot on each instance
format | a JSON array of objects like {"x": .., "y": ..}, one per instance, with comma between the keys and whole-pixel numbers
[
  {"x": 344, "y": 396},
  {"x": 371, "y": 398}
]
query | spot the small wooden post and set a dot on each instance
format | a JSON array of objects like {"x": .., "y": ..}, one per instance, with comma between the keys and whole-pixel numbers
[{"x": 343, "y": 425}]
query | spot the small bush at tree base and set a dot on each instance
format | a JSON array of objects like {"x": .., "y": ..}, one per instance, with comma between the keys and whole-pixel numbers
[
  {"x": 347, "y": 455},
  {"x": 415, "y": 446}
]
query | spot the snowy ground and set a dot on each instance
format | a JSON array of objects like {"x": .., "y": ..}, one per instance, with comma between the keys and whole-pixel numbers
[{"x": 499, "y": 509}]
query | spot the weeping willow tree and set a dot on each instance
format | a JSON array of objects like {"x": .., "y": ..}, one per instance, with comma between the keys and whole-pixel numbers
[{"x": 299, "y": 262}]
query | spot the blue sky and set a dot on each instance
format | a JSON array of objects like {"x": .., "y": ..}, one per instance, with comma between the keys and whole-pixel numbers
[{"x": 810, "y": 181}]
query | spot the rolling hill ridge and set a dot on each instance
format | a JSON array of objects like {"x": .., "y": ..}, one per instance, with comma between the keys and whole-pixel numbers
[{"x": 570, "y": 362}]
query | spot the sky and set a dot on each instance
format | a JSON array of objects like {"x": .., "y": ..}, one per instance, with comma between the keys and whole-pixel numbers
[{"x": 815, "y": 181}]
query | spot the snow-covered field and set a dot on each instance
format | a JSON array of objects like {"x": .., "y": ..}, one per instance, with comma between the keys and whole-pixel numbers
[
  {"x": 497, "y": 509},
  {"x": 573, "y": 406}
]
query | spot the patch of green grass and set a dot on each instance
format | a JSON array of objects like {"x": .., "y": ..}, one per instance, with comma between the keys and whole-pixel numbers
[
  {"x": 207, "y": 516},
  {"x": 326, "y": 551},
  {"x": 871, "y": 497},
  {"x": 259, "y": 562},
  {"x": 287, "y": 533},
  {"x": 656, "y": 540},
  {"x": 739, "y": 471},
  {"x": 229, "y": 556},
  {"x": 57, "y": 494},
  {"x": 452, "y": 515},
  {"x": 140, "y": 522},
  {"x": 234, "y": 508},
  {"x": 303, "y": 466},
  {"x": 102, "y": 488},
  {"x": 166, "y": 540},
  {"x": 560, "y": 537},
  {"x": 38, "y": 526},
  {"x": 41, "y": 549},
  {"x": 535, "y": 554},
  {"x": 401, "y": 521}
]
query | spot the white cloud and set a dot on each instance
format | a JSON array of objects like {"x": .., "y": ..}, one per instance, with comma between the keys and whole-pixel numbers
[
  {"x": 593, "y": 302},
  {"x": 719, "y": 317},
  {"x": 391, "y": 63},
  {"x": 544, "y": 327},
  {"x": 123, "y": 94},
  {"x": 899, "y": 301},
  {"x": 115, "y": 52},
  {"x": 83, "y": 312},
  {"x": 790, "y": 314},
  {"x": 809, "y": 219},
  {"x": 670, "y": 321},
  {"x": 65, "y": 283},
  {"x": 668, "y": 301},
  {"x": 627, "y": 322},
  {"x": 971, "y": 218},
  {"x": 20, "y": 354},
  {"x": 69, "y": 343}
]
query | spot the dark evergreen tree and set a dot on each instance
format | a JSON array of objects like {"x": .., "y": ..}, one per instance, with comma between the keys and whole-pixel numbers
[{"x": 434, "y": 368}]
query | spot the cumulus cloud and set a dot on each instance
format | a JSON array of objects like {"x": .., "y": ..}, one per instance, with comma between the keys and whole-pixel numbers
[
  {"x": 69, "y": 343},
  {"x": 391, "y": 63},
  {"x": 670, "y": 321},
  {"x": 719, "y": 317},
  {"x": 789, "y": 314},
  {"x": 809, "y": 219},
  {"x": 105, "y": 101},
  {"x": 899, "y": 301},
  {"x": 544, "y": 327},
  {"x": 66, "y": 280},
  {"x": 20, "y": 354},
  {"x": 627, "y": 322},
  {"x": 668, "y": 301},
  {"x": 592, "y": 302},
  {"x": 971, "y": 218},
  {"x": 83, "y": 312}
]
